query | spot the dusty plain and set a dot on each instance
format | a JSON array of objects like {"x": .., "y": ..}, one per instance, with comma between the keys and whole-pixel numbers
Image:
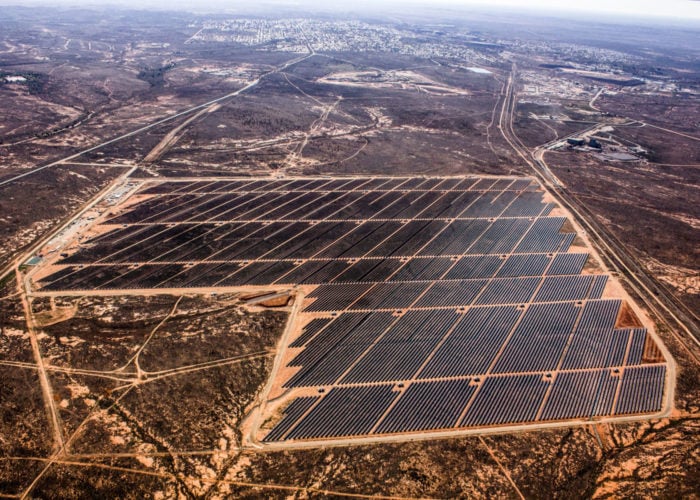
[{"x": 136, "y": 396}]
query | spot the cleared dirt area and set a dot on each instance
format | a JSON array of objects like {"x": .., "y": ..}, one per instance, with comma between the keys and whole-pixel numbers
[
  {"x": 445, "y": 255},
  {"x": 141, "y": 380},
  {"x": 654, "y": 218}
]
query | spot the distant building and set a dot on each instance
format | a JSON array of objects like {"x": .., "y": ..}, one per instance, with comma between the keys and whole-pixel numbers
[
  {"x": 33, "y": 261},
  {"x": 15, "y": 79},
  {"x": 576, "y": 142}
]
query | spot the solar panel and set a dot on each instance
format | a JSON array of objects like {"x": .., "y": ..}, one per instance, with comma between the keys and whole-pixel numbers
[{"x": 429, "y": 303}]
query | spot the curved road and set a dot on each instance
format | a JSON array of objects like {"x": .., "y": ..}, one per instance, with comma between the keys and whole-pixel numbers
[{"x": 664, "y": 305}]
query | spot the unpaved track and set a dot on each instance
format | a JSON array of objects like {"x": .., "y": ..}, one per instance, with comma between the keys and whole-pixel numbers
[
  {"x": 185, "y": 112},
  {"x": 42, "y": 241},
  {"x": 46, "y": 389},
  {"x": 505, "y": 123},
  {"x": 175, "y": 134},
  {"x": 503, "y": 469},
  {"x": 656, "y": 296}
]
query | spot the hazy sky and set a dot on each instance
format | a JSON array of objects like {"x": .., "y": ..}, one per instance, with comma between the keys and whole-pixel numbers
[
  {"x": 683, "y": 9},
  {"x": 673, "y": 8}
]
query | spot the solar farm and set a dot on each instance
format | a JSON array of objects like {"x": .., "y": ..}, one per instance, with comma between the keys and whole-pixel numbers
[{"x": 428, "y": 305}]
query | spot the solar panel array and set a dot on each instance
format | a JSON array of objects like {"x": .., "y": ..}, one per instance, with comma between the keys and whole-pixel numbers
[{"x": 437, "y": 303}]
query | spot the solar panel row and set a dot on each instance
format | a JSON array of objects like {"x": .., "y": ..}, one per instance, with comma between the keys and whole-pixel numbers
[
  {"x": 581, "y": 394},
  {"x": 310, "y": 330},
  {"x": 304, "y": 240},
  {"x": 508, "y": 291},
  {"x": 539, "y": 339},
  {"x": 292, "y": 413},
  {"x": 555, "y": 289},
  {"x": 308, "y": 272},
  {"x": 567, "y": 263},
  {"x": 451, "y": 293},
  {"x": 345, "y": 411},
  {"x": 321, "y": 202},
  {"x": 473, "y": 344},
  {"x": 438, "y": 404},
  {"x": 444, "y": 302},
  {"x": 455, "y": 293},
  {"x": 538, "y": 343},
  {"x": 249, "y": 185},
  {"x": 641, "y": 390},
  {"x": 599, "y": 283},
  {"x": 428, "y": 405},
  {"x": 364, "y": 327},
  {"x": 400, "y": 352},
  {"x": 502, "y": 400},
  {"x": 524, "y": 265},
  {"x": 328, "y": 355},
  {"x": 636, "y": 352}
]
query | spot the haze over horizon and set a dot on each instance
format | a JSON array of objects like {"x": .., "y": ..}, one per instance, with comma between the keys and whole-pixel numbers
[{"x": 680, "y": 9}]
